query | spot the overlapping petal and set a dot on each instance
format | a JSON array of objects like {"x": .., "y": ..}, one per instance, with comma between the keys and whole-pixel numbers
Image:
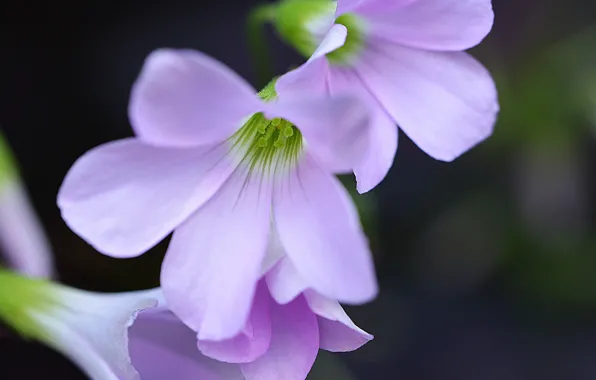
[
  {"x": 321, "y": 233},
  {"x": 124, "y": 197},
  {"x": 214, "y": 260},
  {"x": 284, "y": 281},
  {"x": 184, "y": 98},
  {"x": 382, "y": 139},
  {"x": 162, "y": 347},
  {"x": 335, "y": 130},
  {"x": 252, "y": 342},
  {"x": 311, "y": 78},
  {"x": 294, "y": 344},
  {"x": 337, "y": 332}
]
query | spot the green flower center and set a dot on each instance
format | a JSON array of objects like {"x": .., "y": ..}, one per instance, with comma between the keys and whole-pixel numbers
[
  {"x": 267, "y": 146},
  {"x": 354, "y": 40}
]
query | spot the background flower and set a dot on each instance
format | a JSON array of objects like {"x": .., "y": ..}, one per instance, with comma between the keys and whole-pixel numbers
[
  {"x": 405, "y": 58},
  {"x": 22, "y": 239}
]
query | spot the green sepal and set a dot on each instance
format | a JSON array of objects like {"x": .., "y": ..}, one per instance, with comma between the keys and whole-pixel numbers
[
  {"x": 354, "y": 40},
  {"x": 20, "y": 298},
  {"x": 292, "y": 19}
]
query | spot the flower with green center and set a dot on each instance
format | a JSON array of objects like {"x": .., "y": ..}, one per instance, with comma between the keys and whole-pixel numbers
[
  {"x": 228, "y": 171},
  {"x": 404, "y": 57},
  {"x": 22, "y": 239}
]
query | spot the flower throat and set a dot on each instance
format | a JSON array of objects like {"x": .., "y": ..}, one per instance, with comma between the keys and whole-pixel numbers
[{"x": 268, "y": 145}]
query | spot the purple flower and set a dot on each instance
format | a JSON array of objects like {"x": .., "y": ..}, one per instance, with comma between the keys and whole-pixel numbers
[
  {"x": 162, "y": 347},
  {"x": 22, "y": 238},
  {"x": 405, "y": 57},
  {"x": 278, "y": 341},
  {"x": 230, "y": 173}
]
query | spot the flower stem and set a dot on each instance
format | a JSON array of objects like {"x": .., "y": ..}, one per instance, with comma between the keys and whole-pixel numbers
[
  {"x": 7, "y": 164},
  {"x": 257, "y": 42}
]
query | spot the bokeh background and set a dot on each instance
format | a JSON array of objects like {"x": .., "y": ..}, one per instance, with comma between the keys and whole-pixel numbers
[{"x": 487, "y": 265}]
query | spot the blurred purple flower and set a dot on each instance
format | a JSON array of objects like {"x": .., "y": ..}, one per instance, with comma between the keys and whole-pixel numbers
[
  {"x": 22, "y": 238},
  {"x": 405, "y": 57},
  {"x": 229, "y": 173}
]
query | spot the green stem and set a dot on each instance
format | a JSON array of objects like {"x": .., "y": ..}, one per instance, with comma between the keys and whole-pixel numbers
[
  {"x": 7, "y": 164},
  {"x": 257, "y": 42}
]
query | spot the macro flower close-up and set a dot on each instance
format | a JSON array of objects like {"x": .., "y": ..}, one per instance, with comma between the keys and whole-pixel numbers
[
  {"x": 229, "y": 173},
  {"x": 298, "y": 190}
]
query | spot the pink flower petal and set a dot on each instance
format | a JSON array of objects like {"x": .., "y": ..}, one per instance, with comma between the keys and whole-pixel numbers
[
  {"x": 284, "y": 282},
  {"x": 214, "y": 260},
  {"x": 334, "y": 39},
  {"x": 336, "y": 129},
  {"x": 445, "y": 102},
  {"x": 124, "y": 197},
  {"x": 332, "y": 127},
  {"x": 185, "y": 98},
  {"x": 310, "y": 78},
  {"x": 319, "y": 228},
  {"x": 294, "y": 344},
  {"x": 252, "y": 342},
  {"x": 337, "y": 332},
  {"x": 360, "y": 6},
  {"x": 382, "y": 133},
  {"x": 317, "y": 77},
  {"x": 162, "y": 347},
  {"x": 344, "y": 6},
  {"x": 275, "y": 251},
  {"x": 433, "y": 24}
]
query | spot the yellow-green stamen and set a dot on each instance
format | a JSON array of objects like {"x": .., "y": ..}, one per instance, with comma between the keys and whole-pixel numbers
[{"x": 267, "y": 146}]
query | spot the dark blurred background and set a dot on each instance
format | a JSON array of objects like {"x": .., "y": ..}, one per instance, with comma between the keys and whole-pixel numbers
[{"x": 487, "y": 265}]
